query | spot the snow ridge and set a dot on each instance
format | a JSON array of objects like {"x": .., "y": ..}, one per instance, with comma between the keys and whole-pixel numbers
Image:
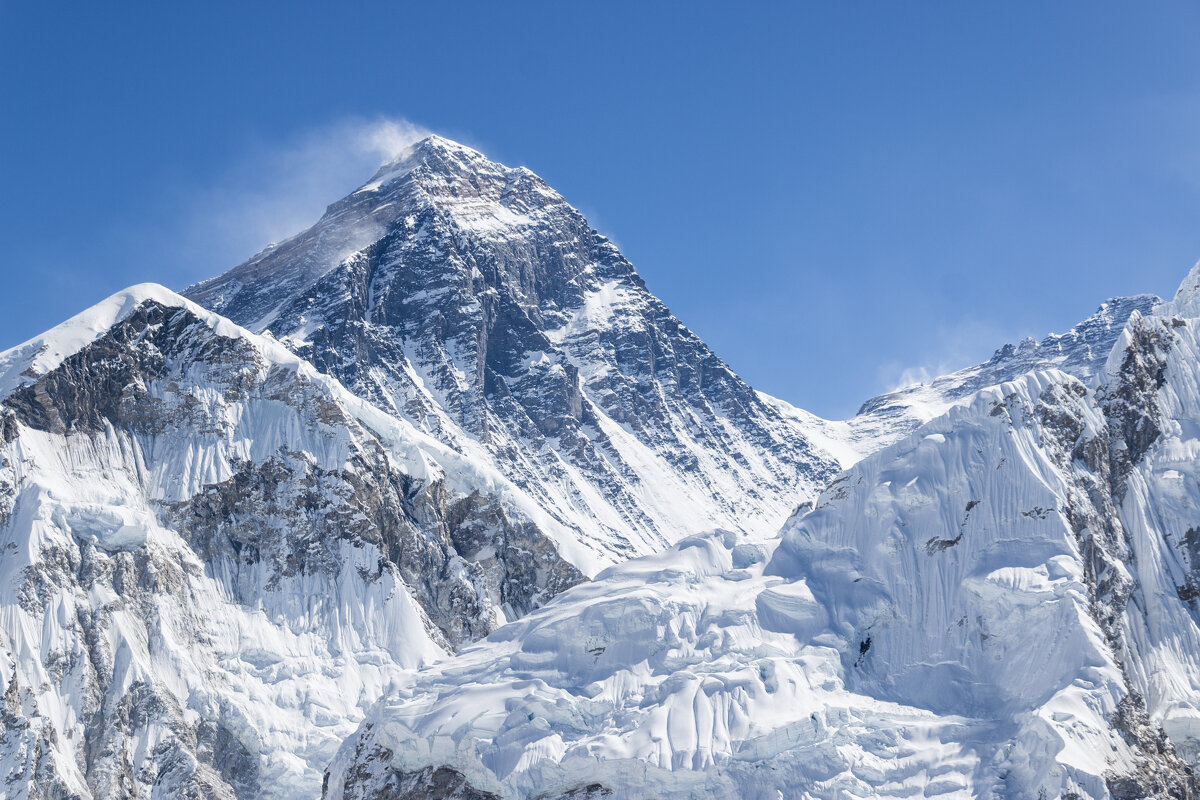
[{"x": 216, "y": 557}]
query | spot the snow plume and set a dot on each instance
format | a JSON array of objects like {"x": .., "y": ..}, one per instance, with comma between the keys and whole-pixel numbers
[
  {"x": 958, "y": 344},
  {"x": 276, "y": 189},
  {"x": 385, "y": 138}
]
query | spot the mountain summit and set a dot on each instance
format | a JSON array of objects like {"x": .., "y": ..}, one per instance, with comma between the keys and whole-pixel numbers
[{"x": 471, "y": 299}]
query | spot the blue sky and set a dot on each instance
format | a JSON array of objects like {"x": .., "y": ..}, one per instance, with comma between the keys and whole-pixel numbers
[{"x": 835, "y": 196}]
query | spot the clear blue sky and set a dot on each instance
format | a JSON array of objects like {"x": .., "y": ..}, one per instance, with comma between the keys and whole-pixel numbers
[{"x": 830, "y": 194}]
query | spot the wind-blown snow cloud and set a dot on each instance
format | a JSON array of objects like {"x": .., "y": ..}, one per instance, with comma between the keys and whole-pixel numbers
[
  {"x": 276, "y": 190},
  {"x": 959, "y": 344}
]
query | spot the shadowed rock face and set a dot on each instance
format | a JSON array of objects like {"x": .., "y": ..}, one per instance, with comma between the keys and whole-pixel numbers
[
  {"x": 1130, "y": 405},
  {"x": 374, "y": 778},
  {"x": 473, "y": 300},
  {"x": 287, "y": 510}
]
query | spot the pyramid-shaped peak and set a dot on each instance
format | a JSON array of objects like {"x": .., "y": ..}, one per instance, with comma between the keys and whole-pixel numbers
[
  {"x": 437, "y": 153},
  {"x": 434, "y": 145},
  {"x": 466, "y": 190}
]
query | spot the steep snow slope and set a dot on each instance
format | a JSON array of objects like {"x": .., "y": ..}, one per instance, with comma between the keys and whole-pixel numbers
[
  {"x": 215, "y": 557},
  {"x": 1159, "y": 490},
  {"x": 470, "y": 299},
  {"x": 1003, "y": 603}
]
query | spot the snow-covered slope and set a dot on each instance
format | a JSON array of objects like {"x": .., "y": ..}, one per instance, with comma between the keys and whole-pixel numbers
[
  {"x": 1002, "y": 603},
  {"x": 472, "y": 300},
  {"x": 215, "y": 557}
]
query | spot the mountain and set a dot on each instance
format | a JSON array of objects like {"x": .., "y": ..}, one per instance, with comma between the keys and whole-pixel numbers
[
  {"x": 216, "y": 558},
  {"x": 472, "y": 300},
  {"x": 436, "y": 500},
  {"x": 220, "y": 556},
  {"x": 1003, "y": 603}
]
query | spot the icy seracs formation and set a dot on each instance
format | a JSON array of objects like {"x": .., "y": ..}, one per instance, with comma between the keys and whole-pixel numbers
[
  {"x": 1002, "y": 603},
  {"x": 472, "y": 300},
  {"x": 216, "y": 558}
]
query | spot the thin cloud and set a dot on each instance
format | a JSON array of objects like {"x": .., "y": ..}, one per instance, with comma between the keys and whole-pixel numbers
[
  {"x": 277, "y": 190},
  {"x": 958, "y": 345}
]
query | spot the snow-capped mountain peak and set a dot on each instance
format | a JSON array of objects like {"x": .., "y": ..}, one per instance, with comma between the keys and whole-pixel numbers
[
  {"x": 471, "y": 299},
  {"x": 433, "y": 155},
  {"x": 1081, "y": 352}
]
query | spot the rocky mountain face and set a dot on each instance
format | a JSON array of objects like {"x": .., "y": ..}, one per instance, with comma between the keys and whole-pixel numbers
[
  {"x": 221, "y": 556},
  {"x": 1000, "y": 604},
  {"x": 327, "y": 531},
  {"x": 470, "y": 299}
]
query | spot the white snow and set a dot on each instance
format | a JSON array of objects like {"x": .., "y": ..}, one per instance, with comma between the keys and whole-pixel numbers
[{"x": 289, "y": 674}]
